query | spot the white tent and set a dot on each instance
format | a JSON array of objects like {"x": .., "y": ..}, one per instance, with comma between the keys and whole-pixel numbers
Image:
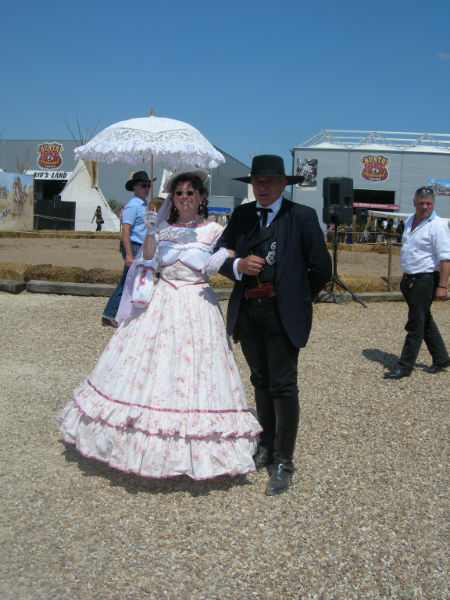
[
  {"x": 81, "y": 188},
  {"x": 389, "y": 215}
]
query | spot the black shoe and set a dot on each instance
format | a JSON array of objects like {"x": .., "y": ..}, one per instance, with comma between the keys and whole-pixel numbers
[
  {"x": 279, "y": 481},
  {"x": 437, "y": 368},
  {"x": 262, "y": 457},
  {"x": 397, "y": 373},
  {"x": 110, "y": 322}
]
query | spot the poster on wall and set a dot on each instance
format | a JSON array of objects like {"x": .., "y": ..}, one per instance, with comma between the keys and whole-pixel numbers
[
  {"x": 16, "y": 202},
  {"x": 375, "y": 168},
  {"x": 308, "y": 169},
  {"x": 441, "y": 187}
]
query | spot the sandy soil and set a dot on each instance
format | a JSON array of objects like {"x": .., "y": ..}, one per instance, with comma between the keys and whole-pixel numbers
[{"x": 104, "y": 253}]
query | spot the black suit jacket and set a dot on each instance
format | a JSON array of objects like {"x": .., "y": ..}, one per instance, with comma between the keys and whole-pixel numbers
[{"x": 303, "y": 264}]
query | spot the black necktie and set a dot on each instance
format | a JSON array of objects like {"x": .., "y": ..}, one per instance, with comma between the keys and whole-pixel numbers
[{"x": 264, "y": 212}]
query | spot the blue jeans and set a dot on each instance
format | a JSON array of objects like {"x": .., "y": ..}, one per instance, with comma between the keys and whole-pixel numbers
[
  {"x": 418, "y": 291},
  {"x": 112, "y": 305}
]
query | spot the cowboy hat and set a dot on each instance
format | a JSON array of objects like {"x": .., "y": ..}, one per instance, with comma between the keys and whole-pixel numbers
[
  {"x": 269, "y": 165},
  {"x": 200, "y": 173},
  {"x": 138, "y": 177}
]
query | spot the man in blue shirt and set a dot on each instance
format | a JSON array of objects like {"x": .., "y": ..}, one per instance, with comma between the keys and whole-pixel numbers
[{"x": 133, "y": 236}]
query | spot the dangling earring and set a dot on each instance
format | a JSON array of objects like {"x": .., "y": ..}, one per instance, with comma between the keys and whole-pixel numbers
[{"x": 203, "y": 207}]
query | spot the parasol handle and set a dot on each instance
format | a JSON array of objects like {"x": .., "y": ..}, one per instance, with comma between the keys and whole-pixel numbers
[{"x": 152, "y": 114}]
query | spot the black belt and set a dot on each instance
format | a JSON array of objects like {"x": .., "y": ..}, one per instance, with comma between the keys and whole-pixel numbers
[{"x": 418, "y": 275}]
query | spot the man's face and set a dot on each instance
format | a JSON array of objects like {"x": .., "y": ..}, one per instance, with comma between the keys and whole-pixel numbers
[
  {"x": 424, "y": 206},
  {"x": 268, "y": 189},
  {"x": 141, "y": 190}
]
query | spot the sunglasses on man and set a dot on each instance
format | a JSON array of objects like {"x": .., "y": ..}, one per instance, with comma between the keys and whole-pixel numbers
[
  {"x": 144, "y": 185},
  {"x": 425, "y": 191}
]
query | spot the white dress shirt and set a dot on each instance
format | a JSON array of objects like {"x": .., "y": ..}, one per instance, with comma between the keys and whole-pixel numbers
[
  {"x": 425, "y": 246},
  {"x": 275, "y": 206}
]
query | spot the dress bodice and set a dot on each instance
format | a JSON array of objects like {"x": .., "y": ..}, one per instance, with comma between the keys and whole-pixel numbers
[{"x": 183, "y": 250}]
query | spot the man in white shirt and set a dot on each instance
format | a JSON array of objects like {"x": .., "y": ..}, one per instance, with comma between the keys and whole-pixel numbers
[{"x": 425, "y": 263}]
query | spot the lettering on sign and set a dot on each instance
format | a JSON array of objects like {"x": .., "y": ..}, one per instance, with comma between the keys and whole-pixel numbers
[{"x": 60, "y": 175}]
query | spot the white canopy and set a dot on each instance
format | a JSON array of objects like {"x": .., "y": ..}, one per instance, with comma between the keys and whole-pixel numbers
[{"x": 380, "y": 214}]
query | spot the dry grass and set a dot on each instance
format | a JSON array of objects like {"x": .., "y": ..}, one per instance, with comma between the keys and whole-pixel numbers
[
  {"x": 52, "y": 234},
  {"x": 47, "y": 272},
  {"x": 26, "y": 272},
  {"x": 377, "y": 248}
]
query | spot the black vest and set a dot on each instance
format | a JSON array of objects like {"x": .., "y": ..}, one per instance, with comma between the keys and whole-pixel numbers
[{"x": 263, "y": 243}]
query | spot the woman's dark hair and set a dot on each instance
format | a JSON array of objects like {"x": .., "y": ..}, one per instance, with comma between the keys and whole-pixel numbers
[{"x": 198, "y": 185}]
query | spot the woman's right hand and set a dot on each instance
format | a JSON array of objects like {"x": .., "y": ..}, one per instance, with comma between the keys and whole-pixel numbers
[{"x": 150, "y": 219}]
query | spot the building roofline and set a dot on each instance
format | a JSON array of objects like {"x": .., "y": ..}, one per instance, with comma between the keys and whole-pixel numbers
[{"x": 395, "y": 140}]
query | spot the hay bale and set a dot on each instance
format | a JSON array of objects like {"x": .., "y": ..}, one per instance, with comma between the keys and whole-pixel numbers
[
  {"x": 98, "y": 275},
  {"x": 13, "y": 271},
  {"x": 369, "y": 283},
  {"x": 220, "y": 281},
  {"x": 52, "y": 273},
  {"x": 377, "y": 248}
]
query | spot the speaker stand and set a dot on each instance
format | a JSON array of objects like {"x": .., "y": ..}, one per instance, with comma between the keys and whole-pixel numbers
[{"x": 335, "y": 279}]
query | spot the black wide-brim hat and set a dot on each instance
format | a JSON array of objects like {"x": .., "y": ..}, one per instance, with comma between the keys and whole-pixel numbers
[
  {"x": 138, "y": 177},
  {"x": 269, "y": 165}
]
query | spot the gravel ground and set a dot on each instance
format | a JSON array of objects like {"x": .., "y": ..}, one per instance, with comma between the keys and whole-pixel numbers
[{"x": 365, "y": 518}]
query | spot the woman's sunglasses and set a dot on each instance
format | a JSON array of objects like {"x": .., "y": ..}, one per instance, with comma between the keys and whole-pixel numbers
[
  {"x": 144, "y": 185},
  {"x": 188, "y": 193}
]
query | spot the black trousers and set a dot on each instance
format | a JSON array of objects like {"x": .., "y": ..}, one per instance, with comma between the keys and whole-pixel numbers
[
  {"x": 272, "y": 359},
  {"x": 270, "y": 354},
  {"x": 418, "y": 291}
]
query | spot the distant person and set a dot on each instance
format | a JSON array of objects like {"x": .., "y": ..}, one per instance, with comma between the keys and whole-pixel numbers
[
  {"x": 119, "y": 216},
  {"x": 98, "y": 218},
  {"x": 399, "y": 231},
  {"x": 425, "y": 263},
  {"x": 133, "y": 235}
]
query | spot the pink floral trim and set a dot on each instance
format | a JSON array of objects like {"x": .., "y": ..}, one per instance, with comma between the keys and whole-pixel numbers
[
  {"x": 189, "y": 242},
  {"x": 133, "y": 472},
  {"x": 177, "y": 287},
  {"x": 173, "y": 434},
  {"x": 176, "y": 410},
  {"x": 193, "y": 226}
]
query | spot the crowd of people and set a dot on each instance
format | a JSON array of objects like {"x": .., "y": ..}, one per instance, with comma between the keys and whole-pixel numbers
[{"x": 165, "y": 397}]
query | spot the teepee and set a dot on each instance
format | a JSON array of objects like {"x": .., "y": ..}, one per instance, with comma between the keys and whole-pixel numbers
[{"x": 82, "y": 188}]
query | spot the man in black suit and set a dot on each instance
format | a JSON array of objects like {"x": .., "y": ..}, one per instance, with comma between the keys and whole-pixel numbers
[{"x": 281, "y": 263}]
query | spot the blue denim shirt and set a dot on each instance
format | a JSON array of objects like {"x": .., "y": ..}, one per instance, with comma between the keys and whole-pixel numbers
[{"x": 133, "y": 214}]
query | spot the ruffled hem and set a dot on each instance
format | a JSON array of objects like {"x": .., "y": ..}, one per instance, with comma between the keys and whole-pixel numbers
[
  {"x": 157, "y": 456},
  {"x": 225, "y": 423}
]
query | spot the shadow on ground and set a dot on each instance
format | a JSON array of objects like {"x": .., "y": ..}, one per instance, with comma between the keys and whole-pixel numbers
[{"x": 135, "y": 484}]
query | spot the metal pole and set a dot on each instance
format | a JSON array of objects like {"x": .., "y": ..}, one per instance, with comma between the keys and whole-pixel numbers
[
  {"x": 389, "y": 267},
  {"x": 152, "y": 114}
]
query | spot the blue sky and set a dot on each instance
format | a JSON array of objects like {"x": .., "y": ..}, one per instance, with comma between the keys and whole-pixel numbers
[{"x": 253, "y": 76}]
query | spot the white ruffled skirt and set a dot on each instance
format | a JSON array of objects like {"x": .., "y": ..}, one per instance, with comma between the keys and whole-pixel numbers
[{"x": 165, "y": 397}]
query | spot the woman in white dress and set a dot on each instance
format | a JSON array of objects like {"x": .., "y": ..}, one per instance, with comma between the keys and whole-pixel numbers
[{"x": 165, "y": 397}]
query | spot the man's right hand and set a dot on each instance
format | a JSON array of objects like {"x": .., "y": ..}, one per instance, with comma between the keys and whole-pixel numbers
[
  {"x": 128, "y": 260},
  {"x": 251, "y": 265}
]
